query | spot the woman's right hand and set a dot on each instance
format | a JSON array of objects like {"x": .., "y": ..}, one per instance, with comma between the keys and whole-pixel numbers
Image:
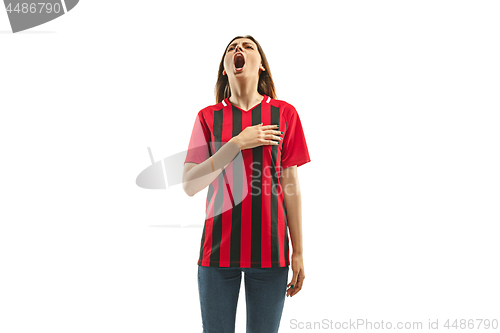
[{"x": 258, "y": 135}]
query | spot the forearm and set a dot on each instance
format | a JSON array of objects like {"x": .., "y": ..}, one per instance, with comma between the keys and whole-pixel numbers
[
  {"x": 293, "y": 202},
  {"x": 201, "y": 175}
]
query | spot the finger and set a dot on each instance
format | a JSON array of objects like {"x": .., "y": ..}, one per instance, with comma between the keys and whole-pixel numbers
[
  {"x": 275, "y": 137},
  {"x": 269, "y": 142},
  {"x": 278, "y": 135},
  {"x": 298, "y": 283},
  {"x": 292, "y": 283},
  {"x": 298, "y": 287},
  {"x": 273, "y": 130},
  {"x": 269, "y": 127},
  {"x": 291, "y": 290}
]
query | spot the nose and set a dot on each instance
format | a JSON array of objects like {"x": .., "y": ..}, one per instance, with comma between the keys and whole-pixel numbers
[{"x": 237, "y": 49}]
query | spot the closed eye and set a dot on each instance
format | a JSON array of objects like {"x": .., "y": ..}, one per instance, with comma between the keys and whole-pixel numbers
[{"x": 229, "y": 49}]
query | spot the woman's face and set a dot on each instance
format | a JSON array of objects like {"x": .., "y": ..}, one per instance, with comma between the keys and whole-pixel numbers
[{"x": 248, "y": 59}]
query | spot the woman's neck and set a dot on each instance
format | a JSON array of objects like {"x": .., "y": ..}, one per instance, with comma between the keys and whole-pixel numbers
[{"x": 245, "y": 101}]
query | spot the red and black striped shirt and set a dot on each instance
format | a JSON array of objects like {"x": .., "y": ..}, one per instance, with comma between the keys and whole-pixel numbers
[{"x": 246, "y": 221}]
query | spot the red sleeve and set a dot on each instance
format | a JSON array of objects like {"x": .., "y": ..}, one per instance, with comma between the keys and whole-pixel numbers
[
  {"x": 198, "y": 150},
  {"x": 294, "y": 151}
]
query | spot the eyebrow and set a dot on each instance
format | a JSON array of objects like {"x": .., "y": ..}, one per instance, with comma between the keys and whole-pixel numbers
[{"x": 249, "y": 43}]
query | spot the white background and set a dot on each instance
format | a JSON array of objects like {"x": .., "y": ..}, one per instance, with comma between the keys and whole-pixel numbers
[{"x": 399, "y": 104}]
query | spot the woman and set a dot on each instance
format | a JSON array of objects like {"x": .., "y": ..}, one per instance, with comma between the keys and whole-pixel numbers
[{"x": 246, "y": 149}]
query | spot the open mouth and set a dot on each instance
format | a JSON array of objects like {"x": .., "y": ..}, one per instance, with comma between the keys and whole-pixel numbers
[{"x": 239, "y": 62}]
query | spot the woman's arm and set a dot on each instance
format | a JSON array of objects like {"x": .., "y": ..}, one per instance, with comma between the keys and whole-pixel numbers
[
  {"x": 198, "y": 176},
  {"x": 291, "y": 192}
]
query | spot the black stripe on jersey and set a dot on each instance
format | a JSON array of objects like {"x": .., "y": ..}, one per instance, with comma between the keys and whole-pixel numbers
[
  {"x": 210, "y": 198},
  {"x": 235, "y": 251},
  {"x": 219, "y": 197},
  {"x": 256, "y": 185},
  {"x": 202, "y": 243},
  {"x": 286, "y": 233},
  {"x": 275, "y": 242}
]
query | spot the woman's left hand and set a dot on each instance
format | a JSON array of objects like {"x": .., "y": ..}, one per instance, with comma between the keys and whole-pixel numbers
[{"x": 298, "y": 275}]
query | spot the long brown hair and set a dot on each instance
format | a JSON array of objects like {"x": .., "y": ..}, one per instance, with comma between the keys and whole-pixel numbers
[{"x": 264, "y": 87}]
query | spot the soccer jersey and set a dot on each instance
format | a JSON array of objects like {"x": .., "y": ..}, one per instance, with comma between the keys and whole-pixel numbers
[{"x": 246, "y": 222}]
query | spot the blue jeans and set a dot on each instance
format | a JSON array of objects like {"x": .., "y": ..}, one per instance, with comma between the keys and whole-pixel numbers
[{"x": 265, "y": 292}]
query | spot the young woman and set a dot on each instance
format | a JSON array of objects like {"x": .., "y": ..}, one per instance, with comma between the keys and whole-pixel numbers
[{"x": 246, "y": 149}]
